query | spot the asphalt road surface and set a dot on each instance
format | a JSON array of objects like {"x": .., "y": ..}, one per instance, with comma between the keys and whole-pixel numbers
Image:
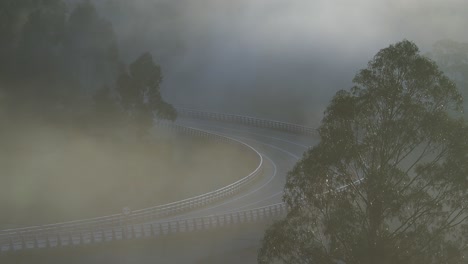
[{"x": 238, "y": 244}]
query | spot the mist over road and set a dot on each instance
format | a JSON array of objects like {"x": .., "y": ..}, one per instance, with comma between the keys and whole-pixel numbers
[{"x": 279, "y": 59}]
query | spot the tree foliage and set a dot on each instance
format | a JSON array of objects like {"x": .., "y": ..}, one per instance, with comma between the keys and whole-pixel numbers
[
  {"x": 55, "y": 62},
  {"x": 51, "y": 57},
  {"x": 452, "y": 58},
  {"x": 388, "y": 182},
  {"x": 139, "y": 91},
  {"x": 90, "y": 43}
]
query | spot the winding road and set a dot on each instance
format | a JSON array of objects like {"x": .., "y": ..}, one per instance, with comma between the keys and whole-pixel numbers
[
  {"x": 280, "y": 151},
  {"x": 225, "y": 230}
]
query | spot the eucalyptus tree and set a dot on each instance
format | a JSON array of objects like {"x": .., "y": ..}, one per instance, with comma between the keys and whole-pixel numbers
[
  {"x": 91, "y": 53},
  {"x": 388, "y": 181},
  {"x": 452, "y": 58},
  {"x": 140, "y": 95}
]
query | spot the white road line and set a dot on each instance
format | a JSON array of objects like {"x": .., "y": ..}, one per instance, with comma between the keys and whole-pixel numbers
[
  {"x": 257, "y": 189},
  {"x": 256, "y": 202},
  {"x": 272, "y": 146},
  {"x": 239, "y": 197}
]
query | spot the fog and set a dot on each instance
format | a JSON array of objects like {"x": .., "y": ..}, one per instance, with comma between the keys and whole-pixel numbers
[
  {"x": 78, "y": 157},
  {"x": 273, "y": 58},
  {"x": 60, "y": 175},
  {"x": 268, "y": 58}
]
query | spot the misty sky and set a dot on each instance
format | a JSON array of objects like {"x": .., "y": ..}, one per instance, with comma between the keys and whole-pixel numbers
[{"x": 225, "y": 54}]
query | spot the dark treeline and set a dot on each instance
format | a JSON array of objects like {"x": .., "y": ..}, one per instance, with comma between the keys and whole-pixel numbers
[
  {"x": 69, "y": 103},
  {"x": 60, "y": 64},
  {"x": 52, "y": 58}
]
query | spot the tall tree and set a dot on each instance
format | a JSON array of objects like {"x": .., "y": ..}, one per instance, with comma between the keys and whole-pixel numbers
[
  {"x": 32, "y": 34},
  {"x": 139, "y": 91},
  {"x": 388, "y": 182},
  {"x": 66, "y": 57},
  {"x": 16, "y": 15},
  {"x": 452, "y": 58},
  {"x": 91, "y": 49}
]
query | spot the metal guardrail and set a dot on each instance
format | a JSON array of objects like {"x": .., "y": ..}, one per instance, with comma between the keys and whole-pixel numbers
[
  {"x": 141, "y": 215},
  {"x": 143, "y": 222},
  {"x": 247, "y": 120},
  {"x": 130, "y": 230}
]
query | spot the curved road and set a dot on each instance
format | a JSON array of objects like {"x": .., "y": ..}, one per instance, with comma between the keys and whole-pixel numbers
[{"x": 280, "y": 151}]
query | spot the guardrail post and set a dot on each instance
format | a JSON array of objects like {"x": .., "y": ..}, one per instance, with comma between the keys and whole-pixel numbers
[
  {"x": 160, "y": 229},
  {"x": 203, "y": 225},
  {"x": 48, "y": 244},
  {"x": 132, "y": 233},
  {"x": 36, "y": 242},
  {"x": 142, "y": 230},
  {"x": 57, "y": 240},
  {"x": 23, "y": 242},
  {"x": 60, "y": 241},
  {"x": 277, "y": 210},
  {"x": 113, "y": 235},
  {"x": 128, "y": 231},
  {"x": 70, "y": 239},
  {"x": 124, "y": 232},
  {"x": 92, "y": 238},
  {"x": 81, "y": 241},
  {"x": 12, "y": 244}
]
